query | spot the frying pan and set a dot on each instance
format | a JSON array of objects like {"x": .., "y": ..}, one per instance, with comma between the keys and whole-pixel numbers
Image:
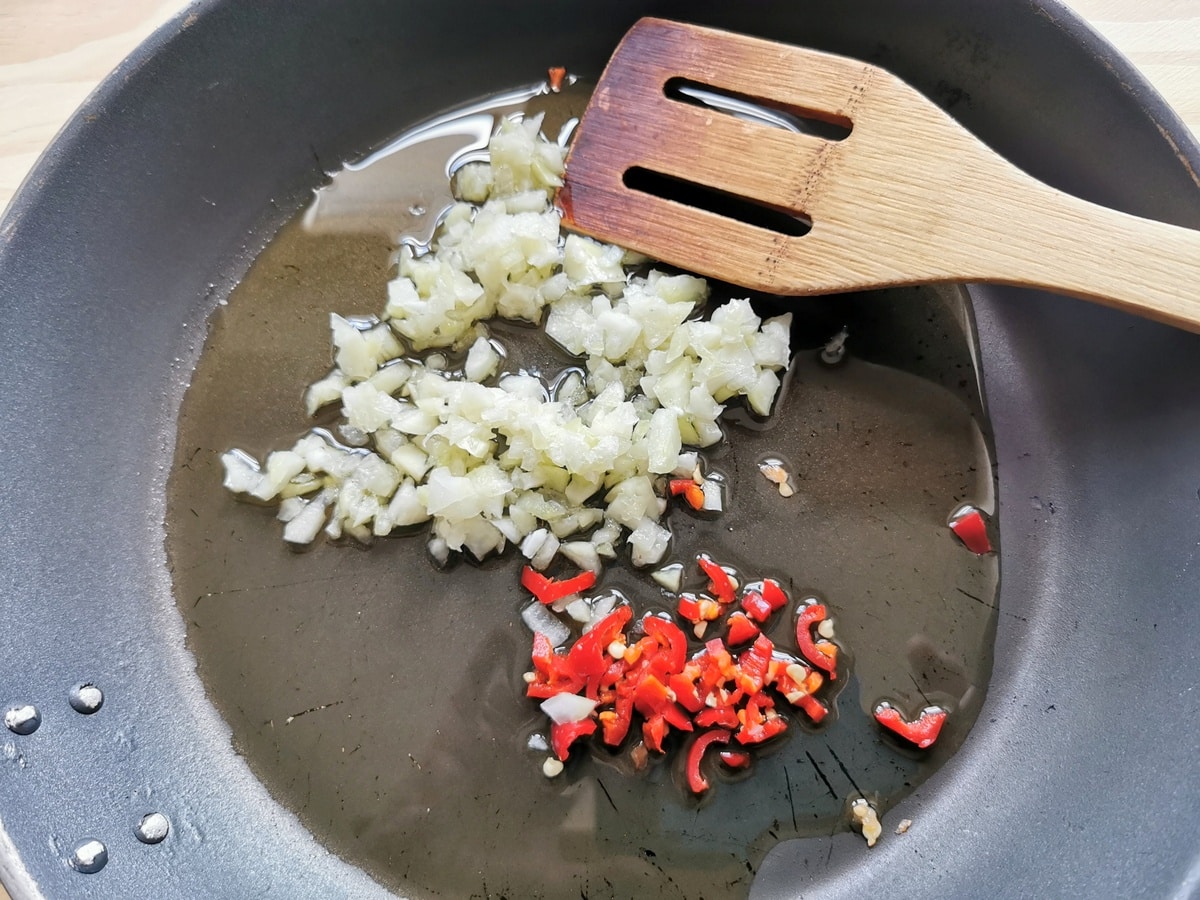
[{"x": 1079, "y": 776}]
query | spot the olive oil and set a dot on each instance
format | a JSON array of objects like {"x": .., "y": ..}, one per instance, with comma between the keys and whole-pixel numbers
[{"x": 381, "y": 699}]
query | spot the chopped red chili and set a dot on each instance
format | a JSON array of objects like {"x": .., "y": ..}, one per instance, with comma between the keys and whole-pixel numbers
[
  {"x": 553, "y": 672},
  {"x": 813, "y": 708},
  {"x": 548, "y": 590},
  {"x": 697, "y": 608},
  {"x": 755, "y": 605},
  {"x": 696, "y": 780},
  {"x": 654, "y": 729},
  {"x": 589, "y": 655},
  {"x": 563, "y": 735},
  {"x": 773, "y": 593},
  {"x": 670, "y": 637},
  {"x": 821, "y": 653},
  {"x": 555, "y": 76},
  {"x": 759, "y": 721},
  {"x": 741, "y": 629},
  {"x": 735, "y": 759},
  {"x": 690, "y": 491},
  {"x": 686, "y": 693},
  {"x": 719, "y": 582},
  {"x": 969, "y": 525},
  {"x": 616, "y": 721},
  {"x": 653, "y": 679},
  {"x": 922, "y": 731},
  {"x": 725, "y": 716},
  {"x": 753, "y": 665}
]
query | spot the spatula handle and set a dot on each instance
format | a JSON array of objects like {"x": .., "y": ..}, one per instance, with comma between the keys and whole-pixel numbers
[{"x": 1071, "y": 246}]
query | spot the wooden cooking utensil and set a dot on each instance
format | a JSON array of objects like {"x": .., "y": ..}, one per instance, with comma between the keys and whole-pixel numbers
[{"x": 906, "y": 196}]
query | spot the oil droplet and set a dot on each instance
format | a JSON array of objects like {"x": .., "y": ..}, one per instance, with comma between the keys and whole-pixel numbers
[
  {"x": 152, "y": 828},
  {"x": 86, "y": 698},
  {"x": 89, "y": 856},
  {"x": 22, "y": 719}
]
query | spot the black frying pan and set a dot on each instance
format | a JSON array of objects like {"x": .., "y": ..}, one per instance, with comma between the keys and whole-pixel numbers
[{"x": 1078, "y": 778}]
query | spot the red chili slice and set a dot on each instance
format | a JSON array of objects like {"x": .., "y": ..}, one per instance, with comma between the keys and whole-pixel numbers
[
  {"x": 671, "y": 638},
  {"x": 757, "y": 726},
  {"x": 922, "y": 731},
  {"x": 696, "y": 780},
  {"x": 697, "y": 608},
  {"x": 589, "y": 655},
  {"x": 686, "y": 693},
  {"x": 554, "y": 673},
  {"x": 773, "y": 593},
  {"x": 822, "y": 653},
  {"x": 689, "y": 607},
  {"x": 719, "y": 583},
  {"x": 735, "y": 759},
  {"x": 548, "y": 590},
  {"x": 755, "y": 605},
  {"x": 617, "y": 720},
  {"x": 741, "y": 629},
  {"x": 718, "y": 715},
  {"x": 690, "y": 491},
  {"x": 753, "y": 665},
  {"x": 813, "y": 708},
  {"x": 562, "y": 736},
  {"x": 971, "y": 529},
  {"x": 654, "y": 729}
]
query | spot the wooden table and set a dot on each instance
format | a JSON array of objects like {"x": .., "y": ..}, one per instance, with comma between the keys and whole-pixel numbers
[{"x": 54, "y": 52}]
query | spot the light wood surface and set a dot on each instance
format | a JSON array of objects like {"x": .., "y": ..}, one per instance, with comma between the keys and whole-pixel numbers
[{"x": 54, "y": 52}]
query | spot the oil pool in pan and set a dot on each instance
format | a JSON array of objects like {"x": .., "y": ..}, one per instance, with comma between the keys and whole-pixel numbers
[{"x": 381, "y": 700}]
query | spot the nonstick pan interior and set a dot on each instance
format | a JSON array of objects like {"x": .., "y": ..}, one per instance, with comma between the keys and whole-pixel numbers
[{"x": 159, "y": 193}]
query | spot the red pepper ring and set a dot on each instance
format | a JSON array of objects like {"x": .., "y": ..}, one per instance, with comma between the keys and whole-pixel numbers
[
  {"x": 696, "y": 780},
  {"x": 922, "y": 731},
  {"x": 822, "y": 654}
]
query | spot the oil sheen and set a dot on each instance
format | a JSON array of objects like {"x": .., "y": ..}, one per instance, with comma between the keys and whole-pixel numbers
[{"x": 381, "y": 699}]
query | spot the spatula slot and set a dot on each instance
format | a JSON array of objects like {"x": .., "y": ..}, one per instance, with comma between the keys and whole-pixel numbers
[
  {"x": 731, "y": 206},
  {"x": 756, "y": 109}
]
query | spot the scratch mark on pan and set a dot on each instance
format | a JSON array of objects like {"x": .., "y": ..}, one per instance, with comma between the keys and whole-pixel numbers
[
  {"x": 821, "y": 775},
  {"x": 608, "y": 795},
  {"x": 288, "y": 720},
  {"x": 920, "y": 690},
  {"x": 791, "y": 801},
  {"x": 845, "y": 771}
]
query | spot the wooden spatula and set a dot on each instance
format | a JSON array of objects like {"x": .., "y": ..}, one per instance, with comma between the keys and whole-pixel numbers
[{"x": 905, "y": 196}]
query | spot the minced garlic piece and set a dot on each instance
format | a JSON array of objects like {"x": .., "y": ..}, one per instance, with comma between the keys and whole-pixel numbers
[
  {"x": 774, "y": 471},
  {"x": 867, "y": 820}
]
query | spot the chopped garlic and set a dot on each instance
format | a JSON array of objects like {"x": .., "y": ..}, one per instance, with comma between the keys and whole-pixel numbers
[
  {"x": 867, "y": 820},
  {"x": 774, "y": 471},
  {"x": 552, "y": 767},
  {"x": 520, "y": 459},
  {"x": 904, "y": 825}
]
